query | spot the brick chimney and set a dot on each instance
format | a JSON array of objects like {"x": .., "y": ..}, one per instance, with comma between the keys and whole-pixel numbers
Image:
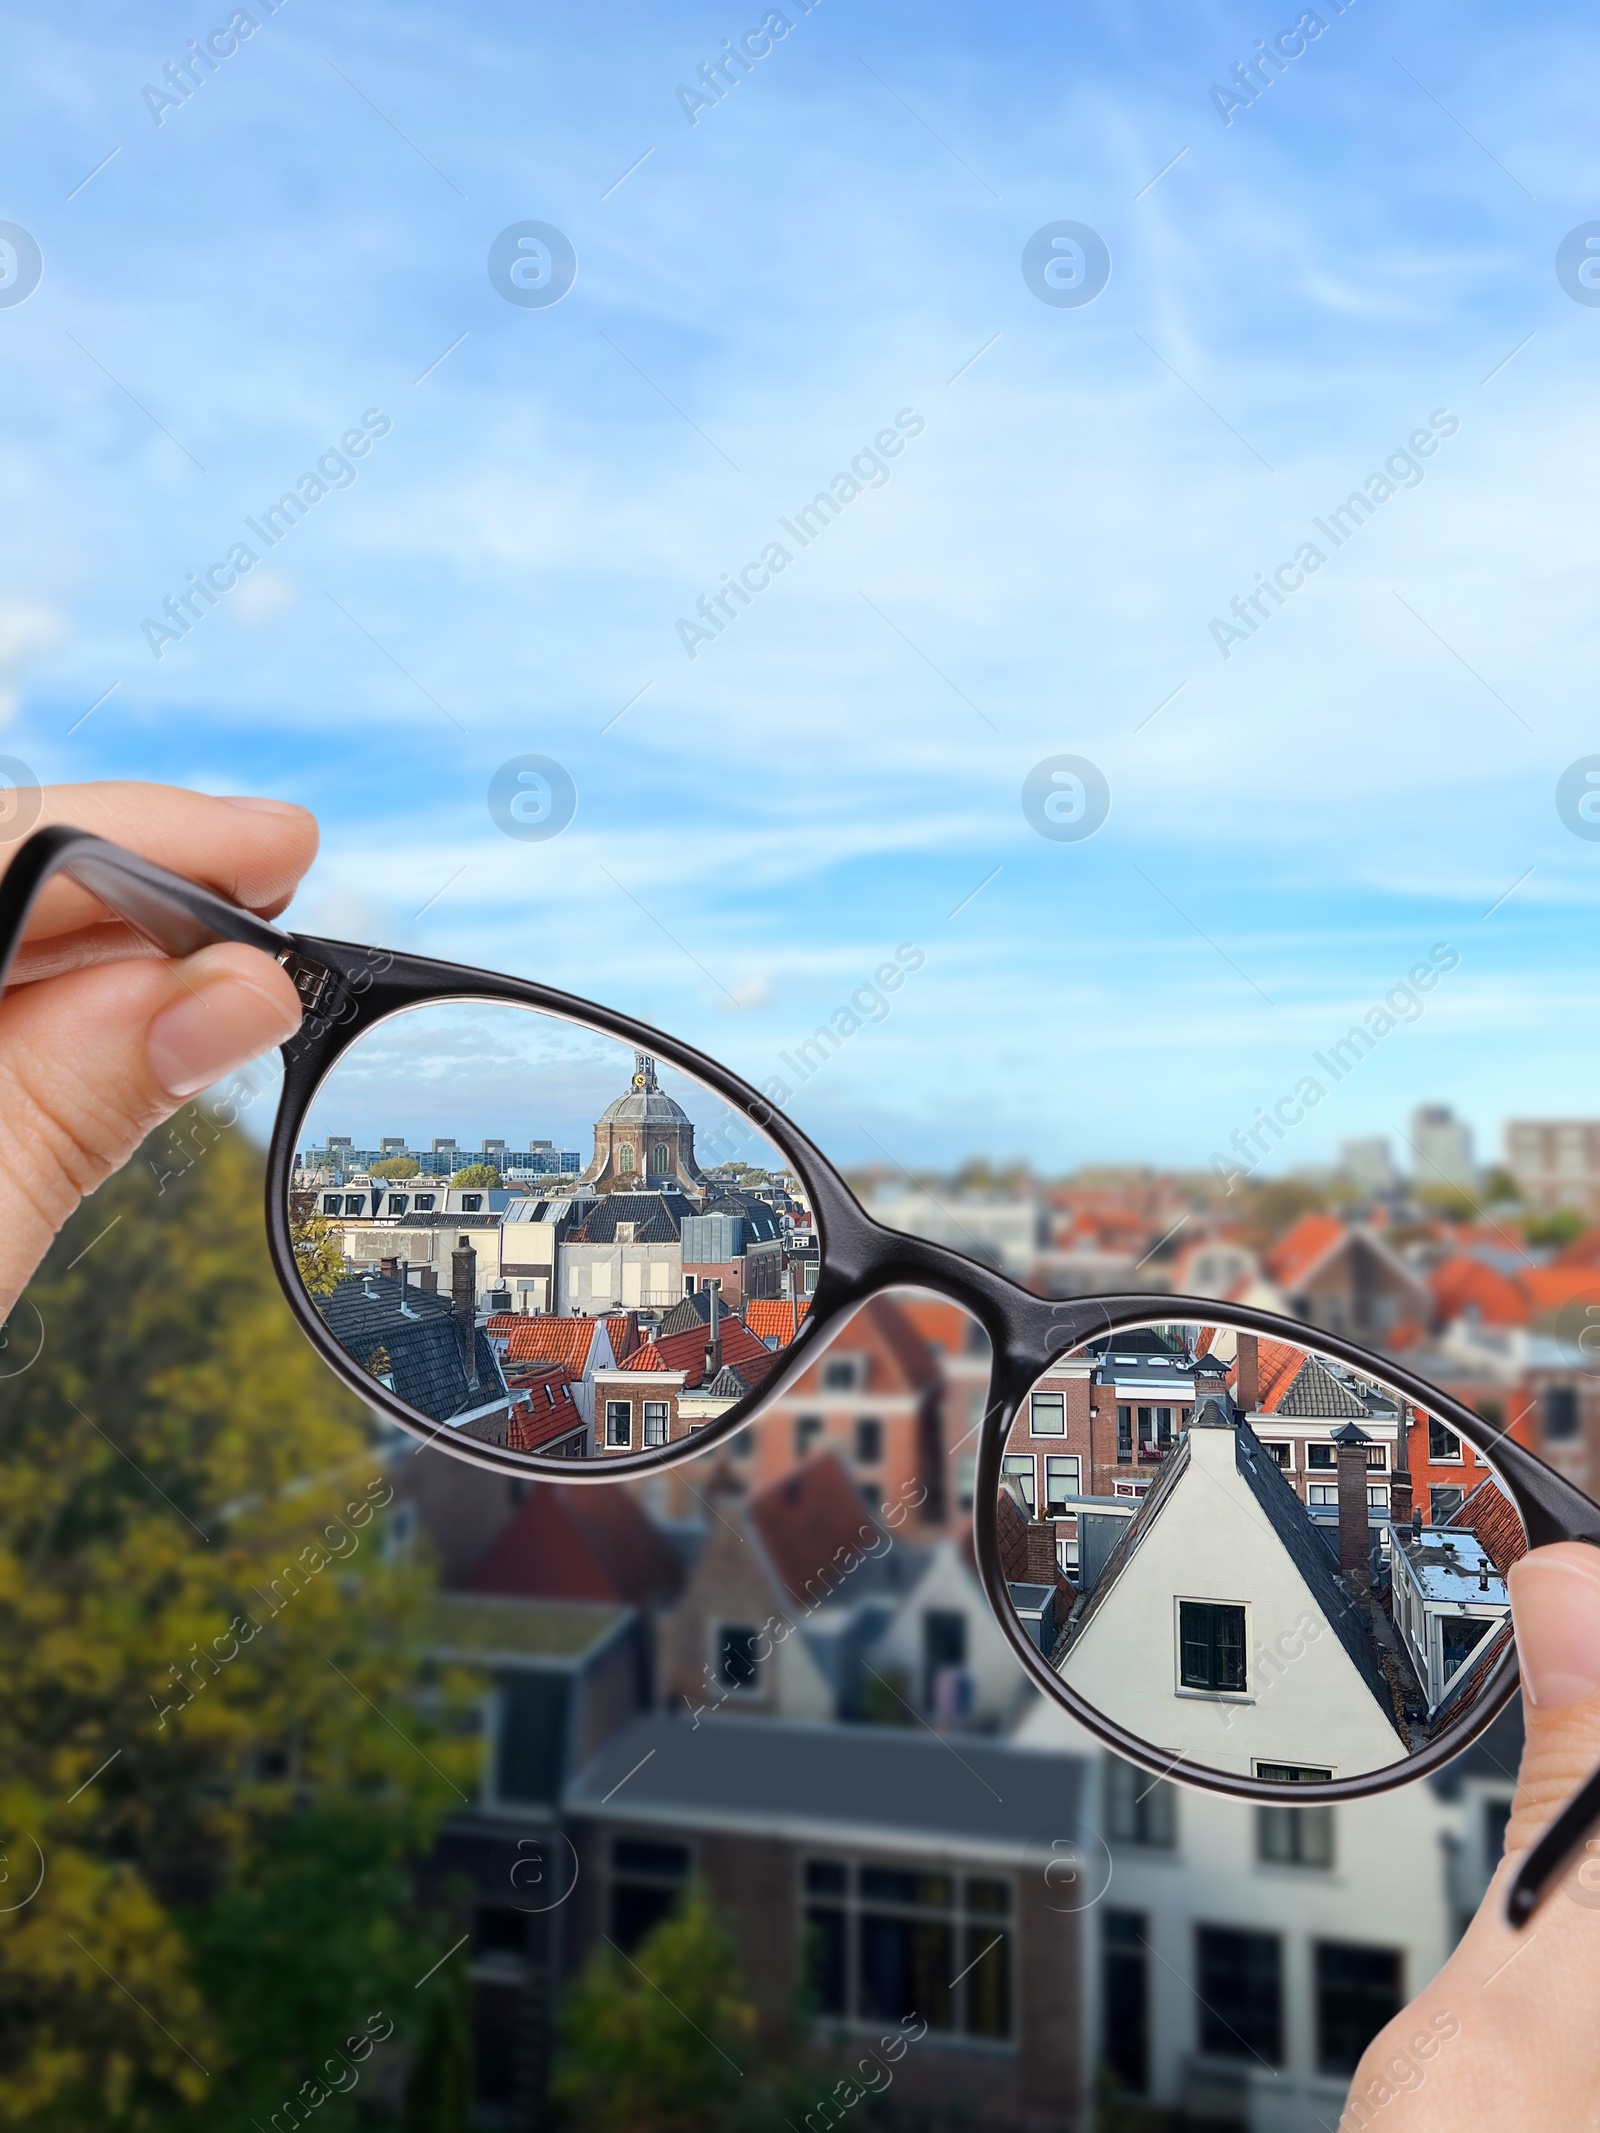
[
  {"x": 389, "y": 1269},
  {"x": 464, "y": 1296},
  {"x": 1400, "y": 1479},
  {"x": 1039, "y": 1552},
  {"x": 1355, "y": 1546},
  {"x": 428, "y": 1280},
  {"x": 1248, "y": 1381}
]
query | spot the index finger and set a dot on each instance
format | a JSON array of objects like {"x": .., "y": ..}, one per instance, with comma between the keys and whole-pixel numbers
[{"x": 252, "y": 851}]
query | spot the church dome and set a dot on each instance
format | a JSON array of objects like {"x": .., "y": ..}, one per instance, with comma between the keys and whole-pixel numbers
[{"x": 646, "y": 1104}]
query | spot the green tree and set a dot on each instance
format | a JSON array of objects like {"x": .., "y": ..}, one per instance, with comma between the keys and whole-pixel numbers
[
  {"x": 209, "y": 1729},
  {"x": 439, "y": 2089},
  {"x": 396, "y": 1166},
  {"x": 477, "y": 1174},
  {"x": 659, "y": 2043},
  {"x": 318, "y": 1255},
  {"x": 1561, "y": 1226}
]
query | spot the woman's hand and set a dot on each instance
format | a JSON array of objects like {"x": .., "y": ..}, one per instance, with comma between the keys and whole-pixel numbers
[
  {"x": 1506, "y": 2036},
  {"x": 101, "y": 1037}
]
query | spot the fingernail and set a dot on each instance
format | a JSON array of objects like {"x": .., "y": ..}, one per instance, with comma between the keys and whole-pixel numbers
[
  {"x": 1555, "y": 1605},
  {"x": 261, "y": 807},
  {"x": 213, "y": 1029}
]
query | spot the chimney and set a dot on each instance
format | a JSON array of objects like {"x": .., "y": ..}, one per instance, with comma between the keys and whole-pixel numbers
[
  {"x": 1248, "y": 1380},
  {"x": 1039, "y": 1552},
  {"x": 713, "y": 1333},
  {"x": 1355, "y": 1544},
  {"x": 1400, "y": 1479},
  {"x": 464, "y": 1295},
  {"x": 389, "y": 1268},
  {"x": 428, "y": 1280}
]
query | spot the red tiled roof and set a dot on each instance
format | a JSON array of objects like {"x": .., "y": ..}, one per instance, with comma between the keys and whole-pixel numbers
[
  {"x": 1463, "y": 1285},
  {"x": 1302, "y": 1246},
  {"x": 812, "y": 1524},
  {"x": 1489, "y": 1514},
  {"x": 775, "y": 1318},
  {"x": 1547, "y": 1288},
  {"x": 1278, "y": 1364},
  {"x": 580, "y": 1544},
  {"x": 567, "y": 1341},
  {"x": 647, "y": 1356}
]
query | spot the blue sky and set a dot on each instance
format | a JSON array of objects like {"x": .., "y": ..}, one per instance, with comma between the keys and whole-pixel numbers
[{"x": 840, "y": 771}]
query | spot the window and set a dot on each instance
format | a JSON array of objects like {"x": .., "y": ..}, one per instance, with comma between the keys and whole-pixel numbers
[
  {"x": 625, "y": 1157},
  {"x": 807, "y": 1429},
  {"x": 472, "y": 1203},
  {"x": 1281, "y": 1455},
  {"x": 1558, "y": 1411},
  {"x": 1163, "y": 1425},
  {"x": 397, "y": 1203},
  {"x": 354, "y": 1202},
  {"x": 1047, "y": 1414},
  {"x": 734, "y": 1661},
  {"x": 1125, "y": 1999},
  {"x": 647, "y": 1880},
  {"x": 1294, "y": 1836},
  {"x": 619, "y": 1422},
  {"x": 530, "y": 1735},
  {"x": 1293, "y": 1773},
  {"x": 883, "y": 1942},
  {"x": 1321, "y": 1455},
  {"x": 499, "y": 1929},
  {"x": 1443, "y": 1504},
  {"x": 1140, "y": 1809},
  {"x": 1323, "y": 1492},
  {"x": 657, "y": 1421},
  {"x": 1211, "y": 1646},
  {"x": 869, "y": 1440},
  {"x": 1240, "y": 1990},
  {"x": 841, "y": 1373},
  {"x": 1377, "y": 1498},
  {"x": 1358, "y": 1990},
  {"x": 1062, "y": 1473},
  {"x": 332, "y": 1203},
  {"x": 1460, "y": 1636},
  {"x": 661, "y": 1158},
  {"x": 1019, "y": 1465},
  {"x": 423, "y": 1203},
  {"x": 1124, "y": 1436},
  {"x": 1444, "y": 1446}
]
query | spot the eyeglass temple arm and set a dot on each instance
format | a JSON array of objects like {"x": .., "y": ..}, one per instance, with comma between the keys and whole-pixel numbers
[{"x": 177, "y": 915}]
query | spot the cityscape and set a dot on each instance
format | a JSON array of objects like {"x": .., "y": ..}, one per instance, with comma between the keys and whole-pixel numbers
[
  {"x": 1254, "y": 1579},
  {"x": 772, "y": 1676},
  {"x": 532, "y": 1297}
]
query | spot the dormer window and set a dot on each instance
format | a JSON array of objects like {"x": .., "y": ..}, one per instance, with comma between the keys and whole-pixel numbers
[
  {"x": 842, "y": 1373},
  {"x": 472, "y": 1203}
]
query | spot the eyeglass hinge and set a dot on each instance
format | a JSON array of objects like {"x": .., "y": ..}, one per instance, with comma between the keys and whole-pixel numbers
[{"x": 311, "y": 980}]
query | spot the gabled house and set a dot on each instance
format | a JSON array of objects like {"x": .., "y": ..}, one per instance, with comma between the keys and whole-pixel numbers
[
  {"x": 1220, "y": 1628},
  {"x": 943, "y": 1652},
  {"x": 1345, "y": 1278},
  {"x": 790, "y": 1588},
  {"x": 590, "y": 1545},
  {"x": 580, "y": 1346}
]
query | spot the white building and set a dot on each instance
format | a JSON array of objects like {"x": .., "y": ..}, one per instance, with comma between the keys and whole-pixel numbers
[
  {"x": 1006, "y": 1229},
  {"x": 1219, "y": 1628},
  {"x": 1441, "y": 1146},
  {"x": 943, "y": 1642},
  {"x": 1240, "y": 1956},
  {"x": 1449, "y": 1599}
]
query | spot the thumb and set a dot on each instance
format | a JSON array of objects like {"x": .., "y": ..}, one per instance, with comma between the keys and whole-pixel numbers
[
  {"x": 91, "y": 1061},
  {"x": 1555, "y": 1606}
]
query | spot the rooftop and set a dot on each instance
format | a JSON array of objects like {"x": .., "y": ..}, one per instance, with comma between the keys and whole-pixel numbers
[
  {"x": 881, "y": 1787},
  {"x": 484, "y": 1630}
]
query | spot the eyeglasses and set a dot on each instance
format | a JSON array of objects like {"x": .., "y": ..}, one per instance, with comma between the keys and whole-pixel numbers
[{"x": 1242, "y": 1554}]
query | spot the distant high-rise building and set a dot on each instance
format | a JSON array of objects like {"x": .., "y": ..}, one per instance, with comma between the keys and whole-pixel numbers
[
  {"x": 1556, "y": 1161},
  {"x": 1441, "y": 1146},
  {"x": 1369, "y": 1165}
]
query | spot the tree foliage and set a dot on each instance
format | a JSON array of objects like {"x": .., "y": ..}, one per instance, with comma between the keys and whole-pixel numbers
[
  {"x": 201, "y": 1646},
  {"x": 318, "y": 1255},
  {"x": 396, "y": 1166},
  {"x": 658, "y": 2043},
  {"x": 476, "y": 1174}
]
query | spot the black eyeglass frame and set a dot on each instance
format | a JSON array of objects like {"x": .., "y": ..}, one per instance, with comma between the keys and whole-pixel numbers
[{"x": 347, "y": 989}]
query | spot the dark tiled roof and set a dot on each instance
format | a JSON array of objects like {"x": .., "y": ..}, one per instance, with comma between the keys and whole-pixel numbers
[
  {"x": 1316, "y": 1393},
  {"x": 762, "y": 1220},
  {"x": 422, "y": 1344},
  {"x": 1309, "y": 1553},
  {"x": 884, "y": 1786},
  {"x": 657, "y": 1217}
]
